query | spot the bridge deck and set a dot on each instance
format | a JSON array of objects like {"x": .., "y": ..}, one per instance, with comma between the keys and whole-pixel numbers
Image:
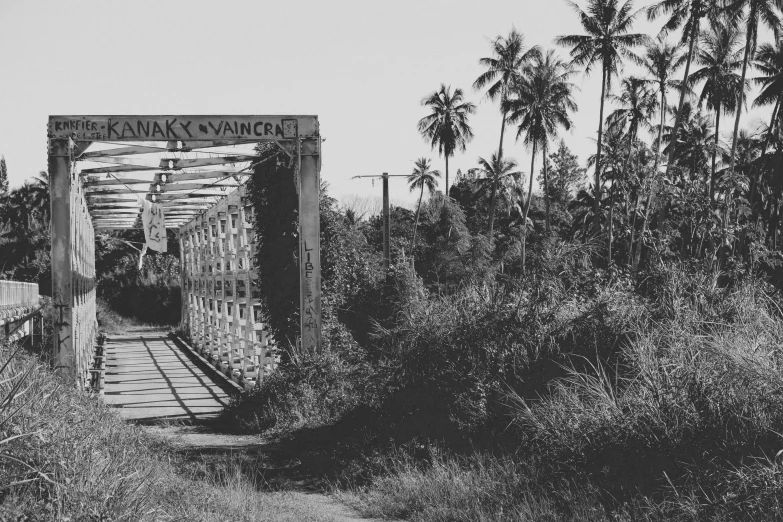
[{"x": 151, "y": 379}]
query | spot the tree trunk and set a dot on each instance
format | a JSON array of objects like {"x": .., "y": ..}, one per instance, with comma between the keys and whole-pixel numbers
[
  {"x": 527, "y": 208},
  {"x": 631, "y": 139},
  {"x": 609, "y": 228},
  {"x": 654, "y": 176},
  {"x": 597, "y": 189},
  {"x": 630, "y": 257},
  {"x": 741, "y": 96},
  {"x": 493, "y": 197},
  {"x": 546, "y": 191},
  {"x": 416, "y": 224},
  {"x": 447, "y": 177},
  {"x": 715, "y": 156}
]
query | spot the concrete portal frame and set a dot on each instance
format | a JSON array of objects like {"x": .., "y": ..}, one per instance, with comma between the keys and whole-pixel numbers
[{"x": 82, "y": 203}]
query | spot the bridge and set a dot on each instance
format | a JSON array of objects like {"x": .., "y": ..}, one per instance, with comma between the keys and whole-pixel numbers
[{"x": 188, "y": 172}]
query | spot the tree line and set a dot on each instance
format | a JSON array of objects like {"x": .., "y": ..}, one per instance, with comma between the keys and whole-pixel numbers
[{"x": 666, "y": 176}]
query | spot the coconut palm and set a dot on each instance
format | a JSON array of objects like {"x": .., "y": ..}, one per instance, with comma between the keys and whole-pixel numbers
[
  {"x": 447, "y": 126},
  {"x": 496, "y": 170},
  {"x": 504, "y": 67},
  {"x": 422, "y": 177},
  {"x": 720, "y": 55},
  {"x": 608, "y": 40},
  {"x": 757, "y": 12},
  {"x": 540, "y": 105},
  {"x": 637, "y": 104},
  {"x": 661, "y": 61},
  {"x": 769, "y": 61},
  {"x": 687, "y": 14},
  {"x": 694, "y": 141}
]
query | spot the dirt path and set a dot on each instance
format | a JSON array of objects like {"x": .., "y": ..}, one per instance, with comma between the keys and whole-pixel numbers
[
  {"x": 176, "y": 396},
  {"x": 204, "y": 447}
]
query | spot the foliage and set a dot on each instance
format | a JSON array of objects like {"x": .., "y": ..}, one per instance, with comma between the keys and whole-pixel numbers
[
  {"x": 3, "y": 178},
  {"x": 566, "y": 177},
  {"x": 67, "y": 456}
]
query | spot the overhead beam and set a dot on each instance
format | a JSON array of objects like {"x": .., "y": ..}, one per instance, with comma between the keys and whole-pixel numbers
[
  {"x": 163, "y": 189},
  {"x": 122, "y": 151},
  {"x": 173, "y": 177},
  {"x": 117, "y": 168},
  {"x": 179, "y": 163},
  {"x": 171, "y": 128},
  {"x": 118, "y": 182}
]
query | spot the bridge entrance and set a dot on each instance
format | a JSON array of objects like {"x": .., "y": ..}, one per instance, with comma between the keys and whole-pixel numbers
[{"x": 192, "y": 168}]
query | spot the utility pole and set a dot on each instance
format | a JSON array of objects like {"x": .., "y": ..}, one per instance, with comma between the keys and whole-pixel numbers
[
  {"x": 386, "y": 224},
  {"x": 386, "y": 216}
]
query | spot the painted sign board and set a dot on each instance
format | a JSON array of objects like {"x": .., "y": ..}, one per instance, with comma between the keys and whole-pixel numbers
[{"x": 181, "y": 128}]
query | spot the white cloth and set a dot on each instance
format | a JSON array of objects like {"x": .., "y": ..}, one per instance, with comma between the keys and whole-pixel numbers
[
  {"x": 141, "y": 257},
  {"x": 154, "y": 226}
]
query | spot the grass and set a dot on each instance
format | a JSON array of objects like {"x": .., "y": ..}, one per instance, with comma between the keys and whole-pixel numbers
[
  {"x": 64, "y": 456},
  {"x": 650, "y": 398},
  {"x": 686, "y": 425},
  {"x": 468, "y": 489}
]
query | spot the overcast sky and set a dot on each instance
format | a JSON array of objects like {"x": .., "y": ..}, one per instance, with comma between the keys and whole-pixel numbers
[{"x": 361, "y": 66}]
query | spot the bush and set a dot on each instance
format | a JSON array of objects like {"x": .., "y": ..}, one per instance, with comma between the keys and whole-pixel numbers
[{"x": 695, "y": 413}]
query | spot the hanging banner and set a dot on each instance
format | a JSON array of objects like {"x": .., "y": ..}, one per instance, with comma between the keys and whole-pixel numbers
[{"x": 154, "y": 226}]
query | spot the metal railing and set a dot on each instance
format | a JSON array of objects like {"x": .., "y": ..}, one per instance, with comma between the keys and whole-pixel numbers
[
  {"x": 220, "y": 296},
  {"x": 19, "y": 306},
  {"x": 73, "y": 268}
]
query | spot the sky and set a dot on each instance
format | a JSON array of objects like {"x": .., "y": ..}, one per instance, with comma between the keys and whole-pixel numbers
[{"x": 361, "y": 66}]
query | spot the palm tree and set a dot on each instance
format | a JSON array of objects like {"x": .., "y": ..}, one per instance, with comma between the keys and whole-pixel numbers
[
  {"x": 447, "y": 126},
  {"x": 498, "y": 169},
  {"x": 421, "y": 177},
  {"x": 694, "y": 140},
  {"x": 661, "y": 61},
  {"x": 688, "y": 15},
  {"x": 607, "y": 41},
  {"x": 637, "y": 104},
  {"x": 504, "y": 67},
  {"x": 540, "y": 104},
  {"x": 720, "y": 56},
  {"x": 758, "y": 11},
  {"x": 769, "y": 61}
]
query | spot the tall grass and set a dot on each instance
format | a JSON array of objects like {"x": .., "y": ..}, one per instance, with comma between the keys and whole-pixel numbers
[
  {"x": 64, "y": 456},
  {"x": 469, "y": 489}
]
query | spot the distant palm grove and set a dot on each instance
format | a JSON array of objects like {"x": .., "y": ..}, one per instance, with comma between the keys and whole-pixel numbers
[{"x": 673, "y": 173}]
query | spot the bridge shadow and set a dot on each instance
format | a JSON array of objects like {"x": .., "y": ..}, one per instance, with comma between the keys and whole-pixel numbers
[{"x": 153, "y": 381}]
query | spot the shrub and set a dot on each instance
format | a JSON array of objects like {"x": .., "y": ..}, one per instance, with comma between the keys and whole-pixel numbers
[{"x": 697, "y": 411}]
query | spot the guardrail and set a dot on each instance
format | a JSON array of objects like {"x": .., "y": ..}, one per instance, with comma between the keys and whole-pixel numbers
[
  {"x": 19, "y": 306},
  {"x": 221, "y": 301}
]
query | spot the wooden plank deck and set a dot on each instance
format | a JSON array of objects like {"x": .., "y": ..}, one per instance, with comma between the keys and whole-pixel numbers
[{"x": 151, "y": 379}]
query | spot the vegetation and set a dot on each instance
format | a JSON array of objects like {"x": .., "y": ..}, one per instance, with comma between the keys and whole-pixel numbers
[
  {"x": 66, "y": 456},
  {"x": 601, "y": 351},
  {"x": 147, "y": 291}
]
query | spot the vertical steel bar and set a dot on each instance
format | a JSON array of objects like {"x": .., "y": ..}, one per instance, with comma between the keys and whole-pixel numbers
[
  {"x": 60, "y": 195},
  {"x": 183, "y": 282},
  {"x": 310, "y": 249}
]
